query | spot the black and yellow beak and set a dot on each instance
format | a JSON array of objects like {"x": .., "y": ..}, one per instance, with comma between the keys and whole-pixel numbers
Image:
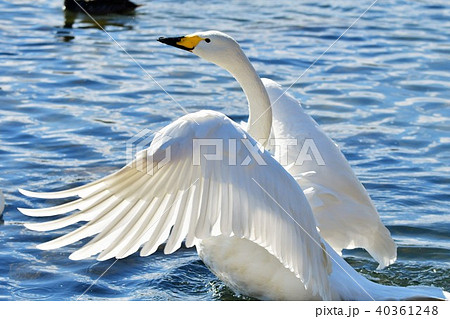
[{"x": 187, "y": 43}]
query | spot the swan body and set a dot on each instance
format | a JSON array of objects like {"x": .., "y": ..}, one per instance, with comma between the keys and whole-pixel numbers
[
  {"x": 263, "y": 277},
  {"x": 250, "y": 220},
  {"x": 343, "y": 210}
]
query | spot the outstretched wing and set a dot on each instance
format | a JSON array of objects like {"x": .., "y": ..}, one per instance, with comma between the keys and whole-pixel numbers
[
  {"x": 343, "y": 209},
  {"x": 202, "y": 176}
]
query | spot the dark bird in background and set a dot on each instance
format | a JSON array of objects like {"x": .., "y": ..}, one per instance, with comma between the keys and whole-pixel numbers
[
  {"x": 95, "y": 7},
  {"x": 99, "y": 7}
]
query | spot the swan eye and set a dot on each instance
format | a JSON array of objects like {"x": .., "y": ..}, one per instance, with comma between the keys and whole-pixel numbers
[{"x": 207, "y": 40}]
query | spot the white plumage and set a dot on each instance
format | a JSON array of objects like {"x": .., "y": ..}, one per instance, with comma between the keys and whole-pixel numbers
[
  {"x": 252, "y": 224},
  {"x": 139, "y": 205},
  {"x": 343, "y": 209}
]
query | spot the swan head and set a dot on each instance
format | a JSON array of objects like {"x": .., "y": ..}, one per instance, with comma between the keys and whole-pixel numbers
[
  {"x": 222, "y": 50},
  {"x": 213, "y": 46}
]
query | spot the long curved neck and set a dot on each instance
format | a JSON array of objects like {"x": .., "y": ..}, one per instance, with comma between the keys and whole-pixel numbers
[{"x": 260, "y": 111}]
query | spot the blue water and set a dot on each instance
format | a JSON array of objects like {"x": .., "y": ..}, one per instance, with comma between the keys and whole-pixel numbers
[{"x": 71, "y": 98}]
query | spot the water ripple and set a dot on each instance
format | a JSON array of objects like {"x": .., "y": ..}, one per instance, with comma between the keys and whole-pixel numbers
[{"x": 70, "y": 99}]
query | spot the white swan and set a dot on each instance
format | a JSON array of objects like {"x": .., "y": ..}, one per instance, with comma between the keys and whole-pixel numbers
[
  {"x": 251, "y": 224},
  {"x": 342, "y": 208}
]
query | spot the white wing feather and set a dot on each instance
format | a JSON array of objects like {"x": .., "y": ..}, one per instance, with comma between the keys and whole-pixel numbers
[
  {"x": 343, "y": 209},
  {"x": 146, "y": 204}
]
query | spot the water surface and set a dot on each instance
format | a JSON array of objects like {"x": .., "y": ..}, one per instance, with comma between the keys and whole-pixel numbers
[{"x": 70, "y": 98}]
